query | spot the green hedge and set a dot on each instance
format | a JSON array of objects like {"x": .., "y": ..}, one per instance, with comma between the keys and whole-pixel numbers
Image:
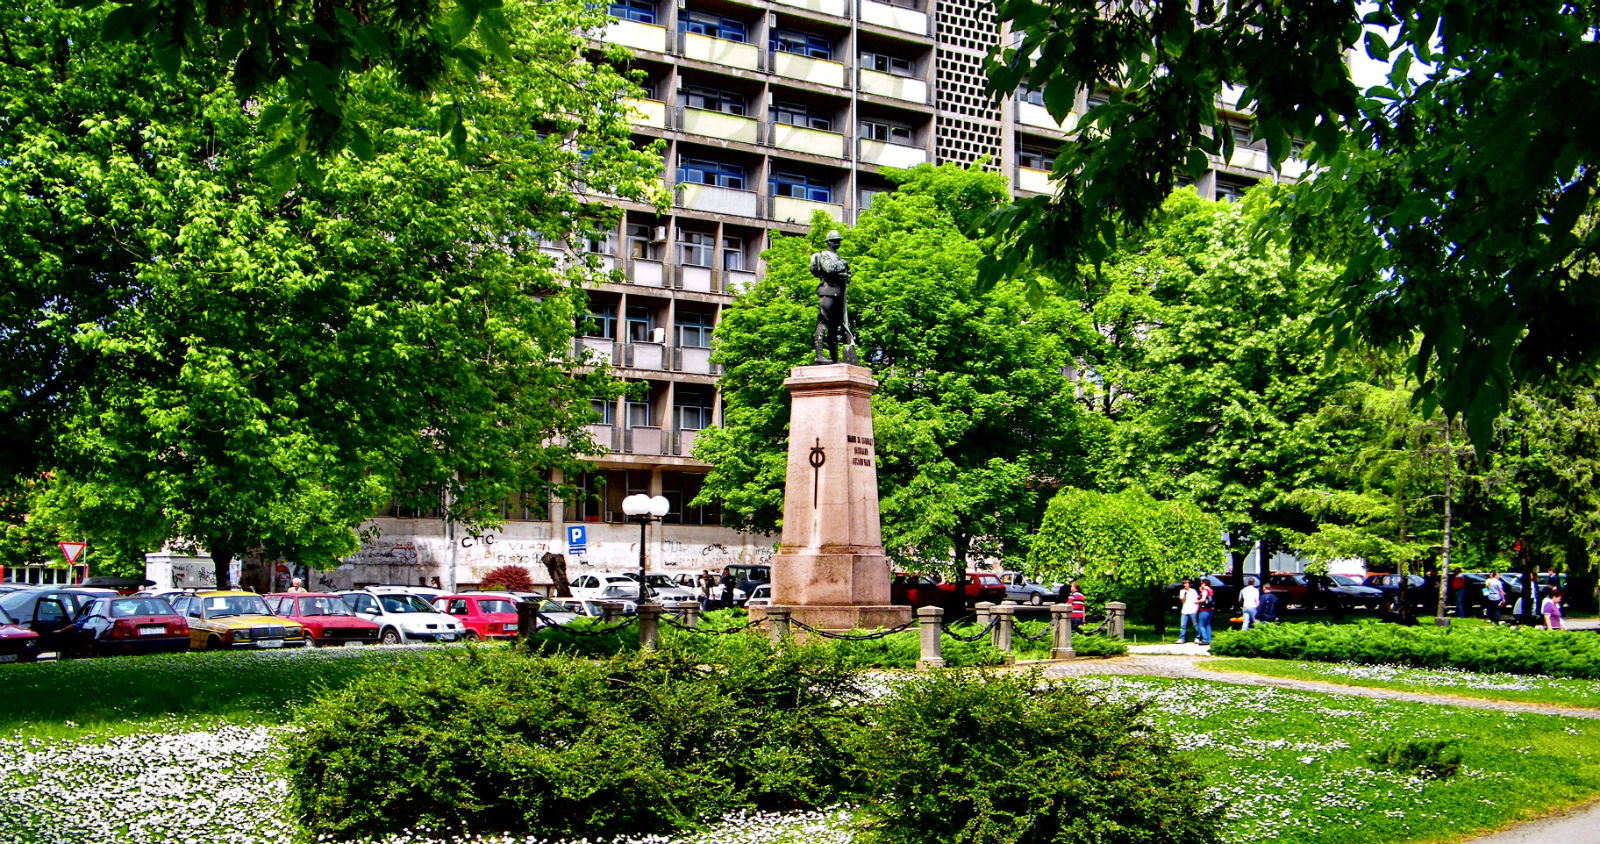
[{"x": 1507, "y": 650}]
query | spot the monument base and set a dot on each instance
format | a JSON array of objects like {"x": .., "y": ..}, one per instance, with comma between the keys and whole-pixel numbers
[{"x": 838, "y": 618}]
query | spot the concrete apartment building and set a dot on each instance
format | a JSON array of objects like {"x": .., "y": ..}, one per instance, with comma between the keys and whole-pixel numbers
[{"x": 770, "y": 110}]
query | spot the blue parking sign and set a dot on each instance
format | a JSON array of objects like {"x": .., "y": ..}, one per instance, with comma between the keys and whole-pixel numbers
[{"x": 577, "y": 538}]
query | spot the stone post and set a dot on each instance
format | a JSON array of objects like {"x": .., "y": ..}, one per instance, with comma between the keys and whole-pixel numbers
[
  {"x": 1117, "y": 619},
  {"x": 778, "y": 617},
  {"x": 650, "y": 626},
  {"x": 1061, "y": 628},
  {"x": 613, "y": 613},
  {"x": 981, "y": 612},
  {"x": 1005, "y": 615},
  {"x": 689, "y": 611},
  {"x": 928, "y": 622}
]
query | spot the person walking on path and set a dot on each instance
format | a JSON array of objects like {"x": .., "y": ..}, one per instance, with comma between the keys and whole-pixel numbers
[
  {"x": 1078, "y": 603},
  {"x": 1494, "y": 594},
  {"x": 1208, "y": 608},
  {"x": 1249, "y": 602},
  {"x": 1188, "y": 611},
  {"x": 1551, "y": 610},
  {"x": 1268, "y": 610}
]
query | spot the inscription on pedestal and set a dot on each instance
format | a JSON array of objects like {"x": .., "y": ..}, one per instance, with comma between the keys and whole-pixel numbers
[{"x": 860, "y": 450}]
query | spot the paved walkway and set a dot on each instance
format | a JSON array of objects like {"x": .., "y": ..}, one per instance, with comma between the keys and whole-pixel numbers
[{"x": 1578, "y": 825}]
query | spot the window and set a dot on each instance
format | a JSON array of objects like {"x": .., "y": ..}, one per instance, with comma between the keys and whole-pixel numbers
[
  {"x": 638, "y": 414},
  {"x": 733, "y": 253},
  {"x": 801, "y": 187},
  {"x": 711, "y": 99},
  {"x": 695, "y": 248},
  {"x": 1243, "y": 138},
  {"x": 533, "y": 506},
  {"x": 680, "y": 488},
  {"x": 715, "y": 26},
  {"x": 1035, "y": 158},
  {"x": 800, "y": 114},
  {"x": 602, "y": 321},
  {"x": 604, "y": 410},
  {"x": 885, "y": 64},
  {"x": 605, "y": 244},
  {"x": 888, "y": 131},
  {"x": 643, "y": 11},
  {"x": 694, "y": 329},
  {"x": 801, "y": 44},
  {"x": 694, "y": 408},
  {"x": 639, "y": 324},
  {"x": 868, "y": 195},
  {"x": 640, "y": 241},
  {"x": 1095, "y": 101},
  {"x": 703, "y": 171},
  {"x": 1030, "y": 95},
  {"x": 1230, "y": 191}
]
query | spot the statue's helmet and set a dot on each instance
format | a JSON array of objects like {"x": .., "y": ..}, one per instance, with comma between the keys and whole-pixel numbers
[{"x": 834, "y": 237}]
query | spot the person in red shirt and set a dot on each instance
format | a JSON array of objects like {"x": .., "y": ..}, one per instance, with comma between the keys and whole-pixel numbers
[{"x": 1077, "y": 600}]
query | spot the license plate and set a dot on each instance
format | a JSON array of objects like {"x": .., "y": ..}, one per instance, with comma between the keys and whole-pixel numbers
[
  {"x": 269, "y": 643},
  {"x": 510, "y": 628},
  {"x": 152, "y": 631},
  {"x": 447, "y": 637},
  {"x": 352, "y": 644},
  {"x": 8, "y": 657}
]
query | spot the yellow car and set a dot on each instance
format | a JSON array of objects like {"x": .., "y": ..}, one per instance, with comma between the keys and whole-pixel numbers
[{"x": 220, "y": 620}]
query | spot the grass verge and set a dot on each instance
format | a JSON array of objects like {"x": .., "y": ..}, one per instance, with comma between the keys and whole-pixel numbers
[{"x": 1513, "y": 688}]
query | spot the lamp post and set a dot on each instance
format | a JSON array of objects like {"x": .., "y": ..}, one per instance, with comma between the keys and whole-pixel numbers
[{"x": 644, "y": 509}]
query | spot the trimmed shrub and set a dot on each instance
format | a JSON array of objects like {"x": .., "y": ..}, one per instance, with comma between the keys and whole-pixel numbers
[
  {"x": 1553, "y": 653},
  {"x": 962, "y": 758},
  {"x": 508, "y": 578}
]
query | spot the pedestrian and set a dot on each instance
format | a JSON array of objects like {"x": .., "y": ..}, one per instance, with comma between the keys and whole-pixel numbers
[
  {"x": 728, "y": 585},
  {"x": 296, "y": 585},
  {"x": 1551, "y": 610},
  {"x": 1188, "y": 611},
  {"x": 1208, "y": 608},
  {"x": 1249, "y": 602},
  {"x": 1076, "y": 599},
  {"x": 1269, "y": 608},
  {"x": 704, "y": 584},
  {"x": 1494, "y": 595}
]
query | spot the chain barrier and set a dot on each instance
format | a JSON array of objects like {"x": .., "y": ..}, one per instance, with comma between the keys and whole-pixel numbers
[
  {"x": 1043, "y": 635},
  {"x": 550, "y": 623},
  {"x": 993, "y": 621},
  {"x": 720, "y": 632},
  {"x": 1096, "y": 630},
  {"x": 852, "y": 637}
]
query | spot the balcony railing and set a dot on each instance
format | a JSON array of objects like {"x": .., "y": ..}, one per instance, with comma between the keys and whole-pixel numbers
[
  {"x": 695, "y": 279},
  {"x": 596, "y": 349},
  {"x": 1249, "y": 159},
  {"x": 686, "y": 437},
  {"x": 716, "y": 124},
  {"x": 692, "y": 359},
  {"x": 827, "y": 7},
  {"x": 640, "y": 439},
  {"x": 894, "y": 17},
  {"x": 738, "y": 281},
  {"x": 693, "y": 45},
  {"x": 643, "y": 112},
  {"x": 639, "y": 36},
  {"x": 605, "y": 436},
  {"x": 1030, "y": 114},
  {"x": 647, "y": 273},
  {"x": 717, "y": 200},
  {"x": 889, "y": 155},
  {"x": 802, "y": 139},
  {"x": 644, "y": 355},
  {"x": 808, "y": 69},
  {"x": 897, "y": 87},
  {"x": 788, "y": 209},
  {"x": 1035, "y": 181}
]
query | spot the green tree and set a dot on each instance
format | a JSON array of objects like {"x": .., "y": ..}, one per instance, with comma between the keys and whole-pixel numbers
[
  {"x": 973, "y": 410},
  {"x": 206, "y": 360},
  {"x": 1458, "y": 194}
]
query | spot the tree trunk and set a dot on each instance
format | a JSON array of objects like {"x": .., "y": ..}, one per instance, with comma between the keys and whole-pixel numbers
[
  {"x": 1444, "y": 561},
  {"x": 556, "y": 565},
  {"x": 221, "y": 561},
  {"x": 1530, "y": 584}
]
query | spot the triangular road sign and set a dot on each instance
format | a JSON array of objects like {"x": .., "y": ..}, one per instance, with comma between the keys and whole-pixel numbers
[{"x": 73, "y": 550}]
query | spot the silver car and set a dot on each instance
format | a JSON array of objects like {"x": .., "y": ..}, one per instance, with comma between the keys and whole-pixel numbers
[{"x": 1024, "y": 591}]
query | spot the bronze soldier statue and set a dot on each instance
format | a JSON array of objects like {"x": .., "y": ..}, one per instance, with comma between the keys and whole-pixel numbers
[{"x": 833, "y": 310}]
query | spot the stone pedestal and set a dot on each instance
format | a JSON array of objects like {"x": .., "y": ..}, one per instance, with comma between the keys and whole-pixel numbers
[{"x": 830, "y": 568}]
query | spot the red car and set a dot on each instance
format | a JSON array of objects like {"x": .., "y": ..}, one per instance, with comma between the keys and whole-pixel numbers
[
  {"x": 17, "y": 644},
  {"x": 483, "y": 616},
  {"x": 980, "y": 586},
  {"x": 327, "y": 619},
  {"x": 916, "y": 590},
  {"x": 107, "y": 626}
]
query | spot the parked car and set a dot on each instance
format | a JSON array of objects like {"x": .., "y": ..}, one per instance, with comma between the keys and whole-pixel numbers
[
  {"x": 595, "y": 584},
  {"x": 1023, "y": 590},
  {"x": 552, "y": 613},
  {"x": 17, "y": 643},
  {"x": 107, "y": 626},
  {"x": 48, "y": 611},
  {"x": 402, "y": 617},
  {"x": 482, "y": 616},
  {"x": 1348, "y": 591},
  {"x": 761, "y": 596},
  {"x": 664, "y": 589},
  {"x": 327, "y": 619},
  {"x": 232, "y": 619},
  {"x": 1421, "y": 592},
  {"x": 979, "y": 586},
  {"x": 1224, "y": 593},
  {"x": 746, "y": 577},
  {"x": 583, "y": 608},
  {"x": 914, "y": 590}
]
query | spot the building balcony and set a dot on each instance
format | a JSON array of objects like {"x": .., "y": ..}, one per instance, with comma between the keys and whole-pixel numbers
[
  {"x": 719, "y": 51},
  {"x": 643, "y": 112},
  {"x": 738, "y": 281},
  {"x": 604, "y": 436},
  {"x": 716, "y": 200},
  {"x": 595, "y": 350},
  {"x": 1248, "y": 159},
  {"x": 1293, "y": 168},
  {"x": 693, "y": 359},
  {"x": 645, "y": 355},
  {"x": 639, "y": 36},
  {"x": 1029, "y": 114},
  {"x": 788, "y": 209},
  {"x": 894, "y": 17},
  {"x": 647, "y": 273},
  {"x": 642, "y": 440},
  {"x": 808, "y": 69},
  {"x": 889, "y": 155},
  {"x": 686, "y": 442},
  {"x": 695, "y": 279},
  {"x": 896, "y": 87},
  {"x": 1035, "y": 181},
  {"x": 837, "y": 8},
  {"x": 715, "y": 124},
  {"x": 813, "y": 141}
]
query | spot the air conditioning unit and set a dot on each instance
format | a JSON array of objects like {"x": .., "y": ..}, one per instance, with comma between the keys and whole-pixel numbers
[
  {"x": 658, "y": 234},
  {"x": 658, "y": 335}
]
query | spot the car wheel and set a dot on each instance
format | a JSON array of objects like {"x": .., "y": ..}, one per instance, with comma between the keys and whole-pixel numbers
[
  {"x": 472, "y": 636},
  {"x": 1035, "y": 599},
  {"x": 213, "y": 644},
  {"x": 390, "y": 636}
]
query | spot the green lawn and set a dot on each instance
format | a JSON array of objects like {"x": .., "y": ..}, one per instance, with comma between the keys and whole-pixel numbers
[{"x": 1507, "y": 687}]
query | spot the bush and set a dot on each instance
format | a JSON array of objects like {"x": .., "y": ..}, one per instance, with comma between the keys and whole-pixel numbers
[
  {"x": 959, "y": 757},
  {"x": 1552, "y": 653},
  {"x": 507, "y": 578},
  {"x": 1436, "y": 759}
]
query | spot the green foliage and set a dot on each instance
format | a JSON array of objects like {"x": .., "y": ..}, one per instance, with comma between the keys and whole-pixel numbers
[
  {"x": 1113, "y": 542},
  {"x": 1488, "y": 649},
  {"x": 512, "y": 578},
  {"x": 1434, "y": 759},
  {"x": 973, "y": 759},
  {"x": 1478, "y": 241}
]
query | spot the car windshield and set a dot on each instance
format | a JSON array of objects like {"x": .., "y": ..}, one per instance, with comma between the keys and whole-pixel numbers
[
  {"x": 660, "y": 580},
  {"x": 404, "y": 603},
  {"x": 1346, "y": 580},
  {"x": 129, "y": 607},
  {"x": 224, "y": 606},
  {"x": 6, "y": 619},
  {"x": 489, "y": 605},
  {"x": 552, "y": 606},
  {"x": 324, "y": 606}
]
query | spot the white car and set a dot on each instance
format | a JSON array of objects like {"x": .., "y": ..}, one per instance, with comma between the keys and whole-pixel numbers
[
  {"x": 665, "y": 589},
  {"x": 402, "y": 617},
  {"x": 761, "y": 596},
  {"x": 605, "y": 586}
]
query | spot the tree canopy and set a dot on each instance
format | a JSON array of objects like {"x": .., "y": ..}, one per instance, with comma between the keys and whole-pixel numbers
[
  {"x": 1458, "y": 194},
  {"x": 199, "y": 357},
  {"x": 1114, "y": 542}
]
